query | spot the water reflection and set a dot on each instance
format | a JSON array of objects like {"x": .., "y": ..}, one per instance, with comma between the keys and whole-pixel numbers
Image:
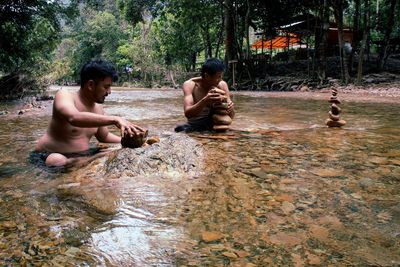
[{"x": 279, "y": 189}]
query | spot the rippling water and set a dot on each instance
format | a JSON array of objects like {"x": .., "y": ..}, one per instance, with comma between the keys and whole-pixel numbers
[{"x": 280, "y": 189}]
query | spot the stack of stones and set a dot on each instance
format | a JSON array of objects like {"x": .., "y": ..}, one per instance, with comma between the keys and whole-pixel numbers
[
  {"x": 334, "y": 119},
  {"x": 220, "y": 116}
]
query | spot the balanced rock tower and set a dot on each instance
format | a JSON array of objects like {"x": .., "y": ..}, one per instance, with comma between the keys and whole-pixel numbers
[
  {"x": 334, "y": 118},
  {"x": 220, "y": 115}
]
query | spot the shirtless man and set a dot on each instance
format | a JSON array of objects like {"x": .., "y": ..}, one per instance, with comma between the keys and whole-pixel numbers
[
  {"x": 77, "y": 116},
  {"x": 199, "y": 99}
]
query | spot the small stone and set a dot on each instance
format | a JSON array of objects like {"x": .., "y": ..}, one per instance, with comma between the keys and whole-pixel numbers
[
  {"x": 259, "y": 173},
  {"x": 332, "y": 123},
  {"x": 285, "y": 239},
  {"x": 335, "y": 101},
  {"x": 319, "y": 232},
  {"x": 242, "y": 254},
  {"x": 287, "y": 207},
  {"x": 222, "y": 119},
  {"x": 230, "y": 255},
  {"x": 68, "y": 186},
  {"x": 325, "y": 172},
  {"x": 335, "y": 109},
  {"x": 313, "y": 259},
  {"x": 152, "y": 140},
  {"x": 365, "y": 183},
  {"x": 333, "y": 117},
  {"x": 356, "y": 196},
  {"x": 284, "y": 197},
  {"x": 221, "y": 128},
  {"x": 211, "y": 236},
  {"x": 8, "y": 225}
]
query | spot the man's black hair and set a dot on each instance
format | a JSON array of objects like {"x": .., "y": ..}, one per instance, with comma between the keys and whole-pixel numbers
[
  {"x": 97, "y": 70},
  {"x": 212, "y": 66}
]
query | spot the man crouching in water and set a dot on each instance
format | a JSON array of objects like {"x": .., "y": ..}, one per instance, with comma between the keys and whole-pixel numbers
[
  {"x": 200, "y": 96},
  {"x": 77, "y": 116}
]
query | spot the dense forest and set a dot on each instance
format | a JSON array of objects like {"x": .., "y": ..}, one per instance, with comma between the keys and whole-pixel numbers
[{"x": 161, "y": 42}]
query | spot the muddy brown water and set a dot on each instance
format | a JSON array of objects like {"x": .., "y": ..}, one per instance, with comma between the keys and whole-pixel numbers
[{"x": 280, "y": 189}]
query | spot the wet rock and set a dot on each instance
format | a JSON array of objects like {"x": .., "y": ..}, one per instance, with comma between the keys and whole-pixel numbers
[
  {"x": 75, "y": 237},
  {"x": 332, "y": 123},
  {"x": 242, "y": 254},
  {"x": 8, "y": 225},
  {"x": 287, "y": 207},
  {"x": 134, "y": 141},
  {"x": 259, "y": 173},
  {"x": 326, "y": 172},
  {"x": 365, "y": 183},
  {"x": 230, "y": 255},
  {"x": 211, "y": 236},
  {"x": 286, "y": 239},
  {"x": 297, "y": 260},
  {"x": 319, "y": 232},
  {"x": 313, "y": 260},
  {"x": 384, "y": 217},
  {"x": 175, "y": 152}
]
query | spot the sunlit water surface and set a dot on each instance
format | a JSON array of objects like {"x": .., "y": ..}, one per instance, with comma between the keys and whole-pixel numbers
[{"x": 280, "y": 189}]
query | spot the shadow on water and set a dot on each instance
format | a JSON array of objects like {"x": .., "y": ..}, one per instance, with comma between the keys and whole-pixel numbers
[{"x": 279, "y": 189}]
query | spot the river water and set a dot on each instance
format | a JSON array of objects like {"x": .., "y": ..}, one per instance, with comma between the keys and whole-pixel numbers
[{"x": 280, "y": 189}]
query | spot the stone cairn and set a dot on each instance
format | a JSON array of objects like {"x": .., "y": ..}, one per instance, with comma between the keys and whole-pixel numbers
[
  {"x": 220, "y": 115},
  {"x": 334, "y": 119},
  {"x": 138, "y": 140}
]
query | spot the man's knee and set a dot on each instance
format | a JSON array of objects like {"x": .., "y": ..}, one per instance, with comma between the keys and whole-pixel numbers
[{"x": 56, "y": 160}]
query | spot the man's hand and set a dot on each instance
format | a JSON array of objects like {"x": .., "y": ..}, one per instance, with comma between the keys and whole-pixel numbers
[
  {"x": 230, "y": 107},
  {"x": 130, "y": 128},
  {"x": 215, "y": 96}
]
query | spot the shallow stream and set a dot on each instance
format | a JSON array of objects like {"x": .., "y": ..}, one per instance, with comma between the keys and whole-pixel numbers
[{"x": 279, "y": 189}]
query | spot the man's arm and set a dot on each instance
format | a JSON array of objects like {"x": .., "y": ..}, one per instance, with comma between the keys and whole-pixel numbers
[
  {"x": 103, "y": 135},
  {"x": 64, "y": 107},
  {"x": 224, "y": 86},
  {"x": 192, "y": 109}
]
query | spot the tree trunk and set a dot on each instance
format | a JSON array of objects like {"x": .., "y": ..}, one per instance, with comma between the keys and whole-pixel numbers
[
  {"x": 364, "y": 41},
  {"x": 321, "y": 43},
  {"x": 207, "y": 41},
  {"x": 171, "y": 75},
  {"x": 230, "y": 51},
  {"x": 343, "y": 57},
  {"x": 220, "y": 36},
  {"x": 389, "y": 28},
  {"x": 356, "y": 29},
  {"x": 194, "y": 59},
  {"x": 247, "y": 26}
]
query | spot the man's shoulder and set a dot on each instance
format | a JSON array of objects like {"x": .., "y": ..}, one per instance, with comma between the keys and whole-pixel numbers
[
  {"x": 223, "y": 85},
  {"x": 188, "y": 85},
  {"x": 63, "y": 95}
]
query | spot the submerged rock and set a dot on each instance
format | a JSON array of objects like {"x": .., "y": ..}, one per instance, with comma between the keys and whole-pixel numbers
[
  {"x": 176, "y": 152},
  {"x": 97, "y": 184}
]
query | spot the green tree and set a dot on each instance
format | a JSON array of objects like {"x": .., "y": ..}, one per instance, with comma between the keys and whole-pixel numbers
[
  {"x": 97, "y": 34},
  {"x": 30, "y": 31}
]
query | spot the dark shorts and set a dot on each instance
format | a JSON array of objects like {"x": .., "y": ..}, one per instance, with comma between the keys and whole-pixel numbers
[
  {"x": 204, "y": 125},
  {"x": 38, "y": 158}
]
